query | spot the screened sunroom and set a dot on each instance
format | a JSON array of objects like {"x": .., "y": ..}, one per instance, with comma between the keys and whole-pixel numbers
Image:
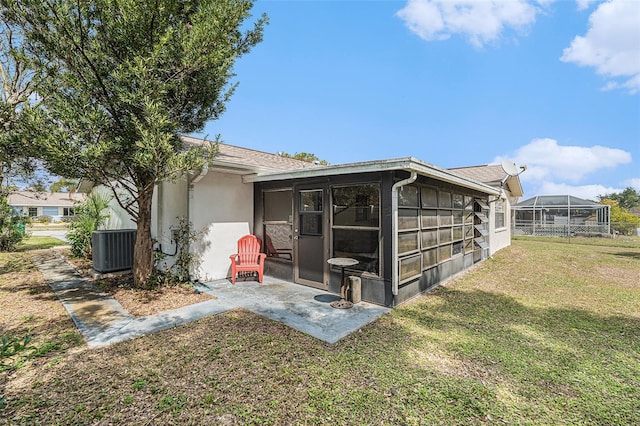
[{"x": 561, "y": 216}]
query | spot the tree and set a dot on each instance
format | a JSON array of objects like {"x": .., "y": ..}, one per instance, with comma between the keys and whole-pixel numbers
[
  {"x": 124, "y": 79},
  {"x": 67, "y": 185},
  {"x": 621, "y": 220},
  {"x": 305, "y": 156},
  {"x": 18, "y": 83},
  {"x": 627, "y": 199}
]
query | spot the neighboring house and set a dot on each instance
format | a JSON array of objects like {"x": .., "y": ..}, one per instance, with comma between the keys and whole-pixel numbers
[
  {"x": 411, "y": 225},
  {"x": 57, "y": 205},
  {"x": 560, "y": 215}
]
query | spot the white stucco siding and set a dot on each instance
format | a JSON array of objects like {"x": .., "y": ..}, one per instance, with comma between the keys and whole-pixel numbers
[
  {"x": 170, "y": 202},
  {"x": 500, "y": 237},
  {"x": 222, "y": 209},
  {"x": 118, "y": 217}
]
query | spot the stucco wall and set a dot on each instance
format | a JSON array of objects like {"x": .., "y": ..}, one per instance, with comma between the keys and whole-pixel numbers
[
  {"x": 499, "y": 238},
  {"x": 118, "y": 217},
  {"x": 170, "y": 202},
  {"x": 222, "y": 209}
]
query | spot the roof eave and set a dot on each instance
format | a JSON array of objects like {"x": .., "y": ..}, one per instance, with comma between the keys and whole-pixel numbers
[
  {"x": 408, "y": 164},
  {"x": 515, "y": 186}
]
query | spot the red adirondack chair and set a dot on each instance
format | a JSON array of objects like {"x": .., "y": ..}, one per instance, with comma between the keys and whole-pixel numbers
[{"x": 248, "y": 258}]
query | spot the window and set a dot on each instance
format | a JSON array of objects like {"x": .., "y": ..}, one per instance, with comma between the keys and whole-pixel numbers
[
  {"x": 429, "y": 197},
  {"x": 33, "y": 211},
  {"x": 444, "y": 199},
  {"x": 410, "y": 267},
  {"x": 277, "y": 224},
  {"x": 311, "y": 212},
  {"x": 407, "y": 219},
  {"x": 407, "y": 242},
  {"x": 408, "y": 196},
  {"x": 67, "y": 211},
  {"x": 355, "y": 220},
  {"x": 499, "y": 214}
]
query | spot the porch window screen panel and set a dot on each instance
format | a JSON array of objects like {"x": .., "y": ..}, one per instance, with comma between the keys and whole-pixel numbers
[
  {"x": 355, "y": 221},
  {"x": 278, "y": 213}
]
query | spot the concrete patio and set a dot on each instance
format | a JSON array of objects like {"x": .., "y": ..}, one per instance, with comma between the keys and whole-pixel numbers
[{"x": 103, "y": 321}]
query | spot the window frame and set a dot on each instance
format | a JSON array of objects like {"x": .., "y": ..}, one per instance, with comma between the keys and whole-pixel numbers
[{"x": 358, "y": 228}]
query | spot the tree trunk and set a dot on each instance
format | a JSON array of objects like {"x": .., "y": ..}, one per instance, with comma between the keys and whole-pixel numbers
[{"x": 143, "y": 250}]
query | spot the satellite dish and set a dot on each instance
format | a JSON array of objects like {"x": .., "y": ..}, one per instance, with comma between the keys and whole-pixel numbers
[{"x": 509, "y": 168}]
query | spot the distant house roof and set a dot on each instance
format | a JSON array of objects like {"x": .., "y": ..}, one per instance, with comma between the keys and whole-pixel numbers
[
  {"x": 234, "y": 158},
  {"x": 491, "y": 174},
  {"x": 44, "y": 199},
  {"x": 555, "y": 201}
]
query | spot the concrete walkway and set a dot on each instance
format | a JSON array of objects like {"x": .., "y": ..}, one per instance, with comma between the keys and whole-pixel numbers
[{"x": 102, "y": 320}]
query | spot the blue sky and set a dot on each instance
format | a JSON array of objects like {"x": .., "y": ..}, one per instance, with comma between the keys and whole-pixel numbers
[{"x": 551, "y": 84}]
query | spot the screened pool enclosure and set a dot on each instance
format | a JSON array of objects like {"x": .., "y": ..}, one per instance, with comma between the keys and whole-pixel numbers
[{"x": 560, "y": 215}]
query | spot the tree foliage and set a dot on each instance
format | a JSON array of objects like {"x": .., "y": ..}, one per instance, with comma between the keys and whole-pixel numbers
[
  {"x": 627, "y": 199},
  {"x": 305, "y": 156},
  {"x": 621, "y": 220},
  {"x": 63, "y": 185},
  {"x": 124, "y": 79}
]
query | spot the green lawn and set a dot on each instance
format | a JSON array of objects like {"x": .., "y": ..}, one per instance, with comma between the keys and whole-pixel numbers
[
  {"x": 544, "y": 333},
  {"x": 36, "y": 243}
]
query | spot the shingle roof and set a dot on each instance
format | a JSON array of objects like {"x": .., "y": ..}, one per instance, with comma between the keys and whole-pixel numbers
[
  {"x": 52, "y": 199},
  {"x": 485, "y": 174},
  {"x": 492, "y": 174},
  {"x": 250, "y": 159}
]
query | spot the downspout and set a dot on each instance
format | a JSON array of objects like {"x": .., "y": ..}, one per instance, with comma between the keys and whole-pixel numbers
[
  {"x": 394, "y": 230},
  {"x": 190, "y": 182}
]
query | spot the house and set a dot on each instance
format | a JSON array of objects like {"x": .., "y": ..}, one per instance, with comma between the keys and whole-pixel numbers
[
  {"x": 409, "y": 224},
  {"x": 560, "y": 215},
  {"x": 57, "y": 205}
]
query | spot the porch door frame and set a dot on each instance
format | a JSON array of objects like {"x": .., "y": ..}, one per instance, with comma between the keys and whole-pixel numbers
[{"x": 311, "y": 251}]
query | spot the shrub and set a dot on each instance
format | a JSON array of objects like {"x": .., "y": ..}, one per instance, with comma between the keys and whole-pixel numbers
[
  {"x": 89, "y": 217},
  {"x": 44, "y": 219},
  {"x": 12, "y": 227}
]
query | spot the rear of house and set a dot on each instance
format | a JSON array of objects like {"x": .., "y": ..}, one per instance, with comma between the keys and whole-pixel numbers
[{"x": 409, "y": 224}]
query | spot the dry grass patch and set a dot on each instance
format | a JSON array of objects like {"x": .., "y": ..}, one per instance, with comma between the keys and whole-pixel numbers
[{"x": 522, "y": 339}]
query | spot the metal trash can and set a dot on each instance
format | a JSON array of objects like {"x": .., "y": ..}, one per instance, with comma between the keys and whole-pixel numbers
[{"x": 354, "y": 289}]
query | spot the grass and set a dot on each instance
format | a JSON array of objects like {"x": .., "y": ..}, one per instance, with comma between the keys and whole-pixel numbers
[
  {"x": 38, "y": 243},
  {"x": 543, "y": 333}
]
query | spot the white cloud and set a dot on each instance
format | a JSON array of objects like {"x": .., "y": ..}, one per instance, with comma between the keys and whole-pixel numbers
[
  {"x": 547, "y": 160},
  {"x": 481, "y": 22},
  {"x": 586, "y": 192},
  {"x": 584, "y": 4},
  {"x": 554, "y": 169},
  {"x": 611, "y": 45},
  {"x": 633, "y": 183}
]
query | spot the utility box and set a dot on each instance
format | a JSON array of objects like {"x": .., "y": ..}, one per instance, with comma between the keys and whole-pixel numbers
[
  {"x": 113, "y": 250},
  {"x": 354, "y": 289}
]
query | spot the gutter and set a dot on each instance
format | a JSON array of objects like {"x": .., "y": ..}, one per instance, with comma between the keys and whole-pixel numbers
[{"x": 394, "y": 228}]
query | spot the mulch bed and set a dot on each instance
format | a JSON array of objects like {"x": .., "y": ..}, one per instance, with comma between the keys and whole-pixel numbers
[{"x": 139, "y": 302}]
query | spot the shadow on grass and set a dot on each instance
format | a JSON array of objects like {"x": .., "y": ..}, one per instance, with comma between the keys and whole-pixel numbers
[
  {"x": 631, "y": 254},
  {"x": 563, "y": 364}
]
